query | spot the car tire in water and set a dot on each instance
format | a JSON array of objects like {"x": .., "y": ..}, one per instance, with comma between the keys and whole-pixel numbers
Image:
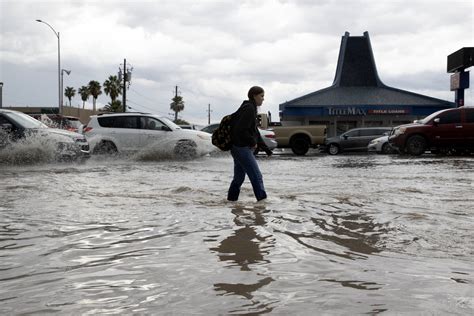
[
  {"x": 105, "y": 148},
  {"x": 333, "y": 149},
  {"x": 386, "y": 149},
  {"x": 416, "y": 145},
  {"x": 185, "y": 149},
  {"x": 299, "y": 145}
]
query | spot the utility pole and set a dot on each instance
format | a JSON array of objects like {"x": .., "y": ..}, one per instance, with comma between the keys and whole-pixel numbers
[
  {"x": 176, "y": 97},
  {"x": 125, "y": 77},
  {"x": 209, "y": 114},
  {"x": 124, "y": 93},
  {"x": 1, "y": 95}
]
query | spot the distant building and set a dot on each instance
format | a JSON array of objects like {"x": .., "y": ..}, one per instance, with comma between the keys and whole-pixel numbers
[{"x": 357, "y": 97}]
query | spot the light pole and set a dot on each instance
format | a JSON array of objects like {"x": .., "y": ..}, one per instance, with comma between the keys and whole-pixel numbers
[
  {"x": 59, "y": 67},
  {"x": 1, "y": 95},
  {"x": 62, "y": 85}
]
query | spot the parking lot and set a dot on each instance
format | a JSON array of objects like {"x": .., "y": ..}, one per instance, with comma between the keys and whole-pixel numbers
[{"x": 341, "y": 234}]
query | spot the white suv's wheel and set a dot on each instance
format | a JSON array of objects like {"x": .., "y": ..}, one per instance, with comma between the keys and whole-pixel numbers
[
  {"x": 185, "y": 149},
  {"x": 105, "y": 147}
]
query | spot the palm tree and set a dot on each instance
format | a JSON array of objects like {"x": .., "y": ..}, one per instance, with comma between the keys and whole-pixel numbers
[
  {"x": 177, "y": 106},
  {"x": 69, "y": 93},
  {"x": 95, "y": 90},
  {"x": 112, "y": 87},
  {"x": 113, "y": 106},
  {"x": 85, "y": 93}
]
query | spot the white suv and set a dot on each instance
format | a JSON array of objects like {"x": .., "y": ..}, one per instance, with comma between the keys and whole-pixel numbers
[{"x": 144, "y": 133}]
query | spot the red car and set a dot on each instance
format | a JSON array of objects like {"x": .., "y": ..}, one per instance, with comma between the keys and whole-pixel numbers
[
  {"x": 449, "y": 131},
  {"x": 70, "y": 123}
]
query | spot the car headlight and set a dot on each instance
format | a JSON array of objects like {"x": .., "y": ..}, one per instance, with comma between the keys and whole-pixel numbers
[
  {"x": 62, "y": 146},
  {"x": 400, "y": 131}
]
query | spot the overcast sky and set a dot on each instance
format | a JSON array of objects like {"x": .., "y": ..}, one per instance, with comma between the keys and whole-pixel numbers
[{"x": 215, "y": 50}]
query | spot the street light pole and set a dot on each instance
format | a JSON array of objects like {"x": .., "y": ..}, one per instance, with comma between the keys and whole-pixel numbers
[
  {"x": 60, "y": 94},
  {"x": 1, "y": 95},
  {"x": 62, "y": 85}
]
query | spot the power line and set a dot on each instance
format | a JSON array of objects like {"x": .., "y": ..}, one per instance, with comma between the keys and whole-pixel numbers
[
  {"x": 151, "y": 100},
  {"x": 145, "y": 107},
  {"x": 137, "y": 104}
]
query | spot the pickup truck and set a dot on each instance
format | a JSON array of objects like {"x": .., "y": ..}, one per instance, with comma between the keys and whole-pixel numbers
[
  {"x": 299, "y": 138},
  {"x": 445, "y": 131}
]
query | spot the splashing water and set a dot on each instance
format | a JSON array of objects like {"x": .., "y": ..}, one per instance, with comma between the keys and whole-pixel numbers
[
  {"x": 175, "y": 149},
  {"x": 29, "y": 150}
]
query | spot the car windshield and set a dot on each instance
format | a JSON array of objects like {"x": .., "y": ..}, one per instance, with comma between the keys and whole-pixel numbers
[
  {"x": 169, "y": 123},
  {"x": 25, "y": 121},
  {"x": 430, "y": 117}
]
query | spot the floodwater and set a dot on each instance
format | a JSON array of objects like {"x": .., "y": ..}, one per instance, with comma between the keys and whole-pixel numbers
[{"x": 339, "y": 235}]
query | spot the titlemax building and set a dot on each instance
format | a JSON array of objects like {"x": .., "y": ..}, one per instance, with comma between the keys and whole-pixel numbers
[{"x": 357, "y": 97}]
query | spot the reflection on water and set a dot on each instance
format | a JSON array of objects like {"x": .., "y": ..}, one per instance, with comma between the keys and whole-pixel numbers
[
  {"x": 245, "y": 248},
  {"x": 357, "y": 234},
  {"x": 346, "y": 235}
]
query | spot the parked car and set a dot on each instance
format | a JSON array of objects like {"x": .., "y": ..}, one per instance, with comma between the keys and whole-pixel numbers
[
  {"x": 380, "y": 145},
  {"x": 70, "y": 123},
  {"x": 356, "y": 139},
  {"x": 449, "y": 130},
  {"x": 16, "y": 126},
  {"x": 210, "y": 128},
  {"x": 268, "y": 136},
  {"x": 190, "y": 126},
  {"x": 131, "y": 132}
]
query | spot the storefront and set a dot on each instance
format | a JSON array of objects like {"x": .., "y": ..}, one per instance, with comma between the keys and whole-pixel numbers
[{"x": 358, "y": 98}]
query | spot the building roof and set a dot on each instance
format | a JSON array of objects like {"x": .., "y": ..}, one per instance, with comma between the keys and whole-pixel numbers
[{"x": 357, "y": 82}]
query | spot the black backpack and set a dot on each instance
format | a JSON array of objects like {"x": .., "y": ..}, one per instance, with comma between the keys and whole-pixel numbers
[{"x": 222, "y": 136}]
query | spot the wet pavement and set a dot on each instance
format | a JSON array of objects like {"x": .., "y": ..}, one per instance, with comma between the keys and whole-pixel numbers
[{"x": 348, "y": 234}]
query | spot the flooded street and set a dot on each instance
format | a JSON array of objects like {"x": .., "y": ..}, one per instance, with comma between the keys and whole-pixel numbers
[{"x": 339, "y": 235}]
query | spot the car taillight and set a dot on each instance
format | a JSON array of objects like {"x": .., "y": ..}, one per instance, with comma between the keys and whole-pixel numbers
[
  {"x": 270, "y": 136},
  {"x": 87, "y": 129}
]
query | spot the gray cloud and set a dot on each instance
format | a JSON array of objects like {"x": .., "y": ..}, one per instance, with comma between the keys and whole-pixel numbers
[{"x": 214, "y": 50}]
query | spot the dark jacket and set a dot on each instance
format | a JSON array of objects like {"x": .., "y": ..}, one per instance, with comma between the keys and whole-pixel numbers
[{"x": 244, "y": 126}]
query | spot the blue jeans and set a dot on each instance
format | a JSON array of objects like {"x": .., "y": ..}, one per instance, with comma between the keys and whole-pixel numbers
[{"x": 245, "y": 163}]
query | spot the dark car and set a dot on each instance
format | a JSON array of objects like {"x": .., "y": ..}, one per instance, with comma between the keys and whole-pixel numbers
[
  {"x": 449, "y": 130},
  {"x": 17, "y": 127},
  {"x": 355, "y": 139}
]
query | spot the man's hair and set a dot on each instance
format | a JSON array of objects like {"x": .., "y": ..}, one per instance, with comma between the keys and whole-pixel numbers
[{"x": 253, "y": 92}]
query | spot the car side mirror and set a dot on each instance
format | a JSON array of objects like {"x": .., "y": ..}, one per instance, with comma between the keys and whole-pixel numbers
[{"x": 436, "y": 121}]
